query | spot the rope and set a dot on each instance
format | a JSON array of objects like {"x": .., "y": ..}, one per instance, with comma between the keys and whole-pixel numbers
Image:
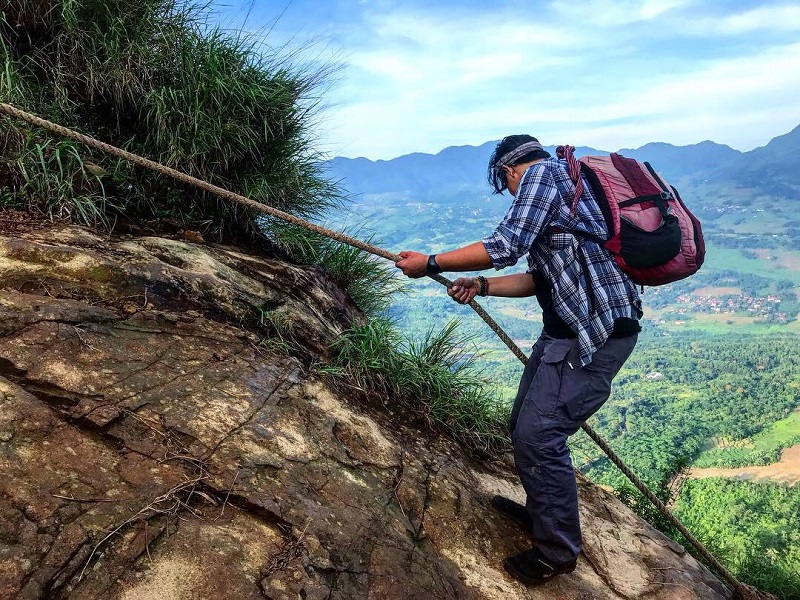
[{"x": 741, "y": 589}]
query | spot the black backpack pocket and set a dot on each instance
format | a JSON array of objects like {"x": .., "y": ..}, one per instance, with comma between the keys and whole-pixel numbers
[{"x": 643, "y": 249}]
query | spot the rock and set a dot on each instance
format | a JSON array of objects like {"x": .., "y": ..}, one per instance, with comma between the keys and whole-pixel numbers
[{"x": 154, "y": 445}]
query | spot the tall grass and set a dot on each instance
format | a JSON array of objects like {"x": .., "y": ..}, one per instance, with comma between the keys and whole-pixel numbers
[
  {"x": 152, "y": 77},
  {"x": 370, "y": 282},
  {"x": 435, "y": 379},
  {"x": 54, "y": 170},
  {"x": 155, "y": 78}
]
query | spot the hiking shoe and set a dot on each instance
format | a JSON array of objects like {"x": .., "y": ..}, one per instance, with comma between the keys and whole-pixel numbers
[
  {"x": 531, "y": 568},
  {"x": 515, "y": 511}
]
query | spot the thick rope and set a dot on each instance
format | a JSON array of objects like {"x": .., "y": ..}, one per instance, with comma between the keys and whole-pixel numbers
[{"x": 741, "y": 589}]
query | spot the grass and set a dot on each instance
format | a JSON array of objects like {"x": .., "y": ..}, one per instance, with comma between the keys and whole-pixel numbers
[
  {"x": 713, "y": 324},
  {"x": 12, "y": 86},
  {"x": 56, "y": 171},
  {"x": 434, "y": 378},
  {"x": 370, "y": 282},
  {"x": 154, "y": 78},
  {"x": 749, "y": 261}
]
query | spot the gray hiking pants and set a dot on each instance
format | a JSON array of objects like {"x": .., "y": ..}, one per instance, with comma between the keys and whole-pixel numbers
[{"x": 556, "y": 396}]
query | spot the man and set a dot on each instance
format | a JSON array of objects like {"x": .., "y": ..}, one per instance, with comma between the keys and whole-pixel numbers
[{"x": 590, "y": 313}]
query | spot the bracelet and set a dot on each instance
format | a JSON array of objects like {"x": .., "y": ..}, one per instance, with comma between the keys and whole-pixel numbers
[
  {"x": 483, "y": 285},
  {"x": 432, "y": 267}
]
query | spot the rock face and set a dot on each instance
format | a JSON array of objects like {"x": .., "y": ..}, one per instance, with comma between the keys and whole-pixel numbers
[{"x": 162, "y": 437}]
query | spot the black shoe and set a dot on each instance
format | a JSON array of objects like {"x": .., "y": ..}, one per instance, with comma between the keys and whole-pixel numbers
[
  {"x": 531, "y": 568},
  {"x": 515, "y": 511}
]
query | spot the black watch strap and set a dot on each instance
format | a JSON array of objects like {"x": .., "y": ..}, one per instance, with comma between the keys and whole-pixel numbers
[{"x": 433, "y": 268}]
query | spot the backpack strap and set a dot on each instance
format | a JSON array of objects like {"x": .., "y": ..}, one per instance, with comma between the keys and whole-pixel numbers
[{"x": 574, "y": 168}]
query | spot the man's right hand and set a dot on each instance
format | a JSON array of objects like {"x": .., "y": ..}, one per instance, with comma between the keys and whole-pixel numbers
[{"x": 413, "y": 264}]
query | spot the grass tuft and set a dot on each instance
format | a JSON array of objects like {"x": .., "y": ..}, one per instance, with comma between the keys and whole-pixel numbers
[
  {"x": 56, "y": 171},
  {"x": 156, "y": 79},
  {"x": 435, "y": 379}
]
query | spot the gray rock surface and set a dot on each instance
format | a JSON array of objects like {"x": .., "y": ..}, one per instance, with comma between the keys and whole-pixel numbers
[{"x": 154, "y": 444}]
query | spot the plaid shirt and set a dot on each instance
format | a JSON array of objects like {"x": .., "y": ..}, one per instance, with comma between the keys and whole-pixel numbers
[{"x": 589, "y": 289}]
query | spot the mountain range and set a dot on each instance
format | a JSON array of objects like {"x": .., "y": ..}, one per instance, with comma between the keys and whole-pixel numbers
[{"x": 772, "y": 166}]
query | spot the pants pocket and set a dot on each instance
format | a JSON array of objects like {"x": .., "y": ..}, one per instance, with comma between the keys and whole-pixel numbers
[{"x": 547, "y": 386}]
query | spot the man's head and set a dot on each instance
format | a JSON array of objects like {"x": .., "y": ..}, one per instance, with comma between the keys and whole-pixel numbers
[{"x": 512, "y": 151}]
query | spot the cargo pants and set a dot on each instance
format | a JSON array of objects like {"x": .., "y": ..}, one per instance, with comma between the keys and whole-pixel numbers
[{"x": 556, "y": 396}]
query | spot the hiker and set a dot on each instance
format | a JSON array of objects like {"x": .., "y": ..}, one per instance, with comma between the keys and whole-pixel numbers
[{"x": 590, "y": 314}]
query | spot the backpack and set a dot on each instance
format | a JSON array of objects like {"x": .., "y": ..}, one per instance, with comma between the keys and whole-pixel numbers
[{"x": 653, "y": 236}]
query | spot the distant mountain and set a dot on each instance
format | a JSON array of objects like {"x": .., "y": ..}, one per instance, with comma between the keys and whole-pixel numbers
[
  {"x": 674, "y": 162},
  {"x": 457, "y": 167},
  {"x": 460, "y": 166},
  {"x": 772, "y": 168}
]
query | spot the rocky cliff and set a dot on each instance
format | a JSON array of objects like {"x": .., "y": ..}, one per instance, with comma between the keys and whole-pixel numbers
[{"x": 160, "y": 438}]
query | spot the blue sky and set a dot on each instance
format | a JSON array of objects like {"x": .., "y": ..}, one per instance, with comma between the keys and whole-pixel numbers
[{"x": 418, "y": 76}]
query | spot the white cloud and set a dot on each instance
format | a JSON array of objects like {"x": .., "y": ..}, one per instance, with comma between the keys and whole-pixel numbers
[
  {"x": 742, "y": 102},
  {"x": 418, "y": 85},
  {"x": 418, "y": 47},
  {"x": 654, "y": 8},
  {"x": 716, "y": 102},
  {"x": 614, "y": 13},
  {"x": 769, "y": 18}
]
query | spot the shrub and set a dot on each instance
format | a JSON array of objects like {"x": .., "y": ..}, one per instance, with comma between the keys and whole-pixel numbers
[{"x": 435, "y": 379}]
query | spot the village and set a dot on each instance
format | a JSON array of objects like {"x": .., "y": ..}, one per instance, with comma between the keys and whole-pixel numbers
[{"x": 763, "y": 307}]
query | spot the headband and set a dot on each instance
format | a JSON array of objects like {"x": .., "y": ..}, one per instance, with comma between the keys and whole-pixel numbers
[{"x": 510, "y": 157}]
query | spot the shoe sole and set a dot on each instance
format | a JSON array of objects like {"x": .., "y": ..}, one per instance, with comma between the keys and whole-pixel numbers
[{"x": 519, "y": 576}]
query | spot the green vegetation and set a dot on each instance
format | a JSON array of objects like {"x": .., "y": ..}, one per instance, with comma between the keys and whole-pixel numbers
[
  {"x": 754, "y": 528},
  {"x": 432, "y": 378},
  {"x": 761, "y": 449},
  {"x": 153, "y": 78},
  {"x": 674, "y": 395}
]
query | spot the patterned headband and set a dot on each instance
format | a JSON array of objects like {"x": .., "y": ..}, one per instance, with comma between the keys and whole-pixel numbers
[{"x": 509, "y": 157}]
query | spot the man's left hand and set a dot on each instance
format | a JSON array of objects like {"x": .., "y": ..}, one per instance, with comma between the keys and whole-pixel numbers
[
  {"x": 463, "y": 290},
  {"x": 414, "y": 264}
]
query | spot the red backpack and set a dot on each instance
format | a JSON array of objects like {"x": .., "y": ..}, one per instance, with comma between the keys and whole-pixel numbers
[{"x": 653, "y": 236}]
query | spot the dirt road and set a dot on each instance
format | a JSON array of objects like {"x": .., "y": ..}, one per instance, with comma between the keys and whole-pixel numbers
[{"x": 786, "y": 470}]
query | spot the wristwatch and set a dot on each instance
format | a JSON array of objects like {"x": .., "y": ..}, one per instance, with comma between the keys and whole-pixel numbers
[{"x": 433, "y": 268}]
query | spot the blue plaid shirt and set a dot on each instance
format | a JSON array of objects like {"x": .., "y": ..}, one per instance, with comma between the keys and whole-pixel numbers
[{"x": 589, "y": 290}]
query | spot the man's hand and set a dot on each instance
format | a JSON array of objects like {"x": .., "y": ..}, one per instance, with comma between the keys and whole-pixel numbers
[
  {"x": 413, "y": 265},
  {"x": 463, "y": 290}
]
